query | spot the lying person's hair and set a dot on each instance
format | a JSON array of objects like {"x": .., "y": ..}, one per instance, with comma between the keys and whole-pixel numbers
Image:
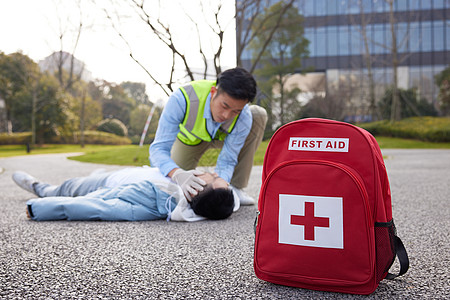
[{"x": 214, "y": 204}]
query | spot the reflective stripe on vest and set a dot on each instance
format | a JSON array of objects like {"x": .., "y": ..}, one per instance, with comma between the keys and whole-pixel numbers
[{"x": 193, "y": 129}]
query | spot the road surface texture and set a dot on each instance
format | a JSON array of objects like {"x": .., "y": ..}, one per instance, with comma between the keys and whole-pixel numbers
[{"x": 202, "y": 260}]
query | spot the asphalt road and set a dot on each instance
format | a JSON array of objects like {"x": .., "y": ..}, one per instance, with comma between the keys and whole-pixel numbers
[{"x": 202, "y": 260}]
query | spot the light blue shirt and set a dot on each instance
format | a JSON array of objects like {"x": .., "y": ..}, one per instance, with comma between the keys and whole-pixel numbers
[{"x": 168, "y": 128}]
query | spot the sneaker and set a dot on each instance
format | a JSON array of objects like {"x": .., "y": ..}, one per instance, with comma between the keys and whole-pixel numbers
[
  {"x": 25, "y": 181},
  {"x": 244, "y": 198}
]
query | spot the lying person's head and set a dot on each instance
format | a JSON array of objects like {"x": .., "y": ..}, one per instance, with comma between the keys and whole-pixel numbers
[{"x": 216, "y": 201}]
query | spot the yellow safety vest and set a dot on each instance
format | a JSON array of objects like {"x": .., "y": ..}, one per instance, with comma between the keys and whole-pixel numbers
[{"x": 193, "y": 129}]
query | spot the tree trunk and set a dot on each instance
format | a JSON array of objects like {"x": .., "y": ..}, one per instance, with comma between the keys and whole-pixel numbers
[
  {"x": 395, "y": 107},
  {"x": 82, "y": 114},
  {"x": 33, "y": 115}
]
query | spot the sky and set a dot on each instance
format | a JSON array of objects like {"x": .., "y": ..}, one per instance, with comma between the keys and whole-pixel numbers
[{"x": 33, "y": 27}]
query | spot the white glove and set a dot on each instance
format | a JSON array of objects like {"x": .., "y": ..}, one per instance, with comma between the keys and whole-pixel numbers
[{"x": 189, "y": 182}]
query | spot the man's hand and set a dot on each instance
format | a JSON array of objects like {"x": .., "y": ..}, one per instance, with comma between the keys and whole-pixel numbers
[{"x": 189, "y": 182}]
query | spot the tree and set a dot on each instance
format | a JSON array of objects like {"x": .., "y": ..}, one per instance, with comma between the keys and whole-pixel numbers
[
  {"x": 443, "y": 82},
  {"x": 66, "y": 67},
  {"x": 208, "y": 24},
  {"x": 20, "y": 76},
  {"x": 281, "y": 59},
  {"x": 247, "y": 13},
  {"x": 156, "y": 18},
  {"x": 364, "y": 21},
  {"x": 410, "y": 104},
  {"x": 136, "y": 90},
  {"x": 114, "y": 100},
  {"x": 138, "y": 117}
]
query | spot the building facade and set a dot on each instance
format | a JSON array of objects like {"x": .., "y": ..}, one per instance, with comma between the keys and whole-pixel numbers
[{"x": 346, "y": 36}]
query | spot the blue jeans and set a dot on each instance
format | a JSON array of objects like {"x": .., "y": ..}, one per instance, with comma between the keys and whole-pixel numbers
[
  {"x": 129, "y": 202},
  {"x": 73, "y": 187}
]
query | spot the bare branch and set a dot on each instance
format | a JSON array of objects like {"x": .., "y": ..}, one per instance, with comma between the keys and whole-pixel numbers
[
  {"x": 272, "y": 32},
  {"x": 133, "y": 57},
  {"x": 165, "y": 37},
  {"x": 205, "y": 60}
]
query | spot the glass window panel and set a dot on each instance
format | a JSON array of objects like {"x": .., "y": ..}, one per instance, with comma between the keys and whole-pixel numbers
[
  {"x": 387, "y": 41},
  {"x": 426, "y": 4},
  {"x": 414, "y": 4},
  {"x": 355, "y": 42},
  {"x": 426, "y": 36},
  {"x": 437, "y": 4},
  {"x": 447, "y": 36},
  {"x": 380, "y": 6},
  {"x": 353, "y": 7},
  {"x": 379, "y": 39},
  {"x": 438, "y": 36},
  {"x": 402, "y": 37},
  {"x": 332, "y": 41},
  {"x": 332, "y": 8},
  {"x": 414, "y": 37},
  {"x": 321, "y": 7},
  {"x": 321, "y": 45},
  {"x": 309, "y": 34},
  {"x": 342, "y": 6},
  {"x": 367, "y": 6},
  {"x": 401, "y": 5},
  {"x": 343, "y": 41},
  {"x": 309, "y": 8}
]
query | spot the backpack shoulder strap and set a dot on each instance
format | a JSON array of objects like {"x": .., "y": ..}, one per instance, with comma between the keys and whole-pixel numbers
[{"x": 402, "y": 258}]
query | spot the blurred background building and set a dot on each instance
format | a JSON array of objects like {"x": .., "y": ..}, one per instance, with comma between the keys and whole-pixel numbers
[{"x": 351, "y": 45}]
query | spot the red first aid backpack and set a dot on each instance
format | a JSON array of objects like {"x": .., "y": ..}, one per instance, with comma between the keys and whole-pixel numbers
[{"x": 325, "y": 214}]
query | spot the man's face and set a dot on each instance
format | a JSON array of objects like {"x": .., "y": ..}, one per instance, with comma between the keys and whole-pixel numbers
[
  {"x": 214, "y": 179},
  {"x": 223, "y": 107}
]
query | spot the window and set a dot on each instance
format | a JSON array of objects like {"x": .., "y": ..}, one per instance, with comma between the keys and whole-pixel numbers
[
  {"x": 414, "y": 37},
  {"x": 343, "y": 40},
  {"x": 426, "y": 4},
  {"x": 426, "y": 36},
  {"x": 309, "y": 8},
  {"x": 309, "y": 35},
  {"x": 401, "y": 5},
  {"x": 438, "y": 4},
  {"x": 414, "y": 4},
  {"x": 342, "y": 6},
  {"x": 355, "y": 42},
  {"x": 367, "y": 6},
  {"x": 321, "y": 41},
  {"x": 321, "y": 7},
  {"x": 332, "y": 41},
  {"x": 379, "y": 39},
  {"x": 438, "y": 36},
  {"x": 380, "y": 6},
  {"x": 332, "y": 8},
  {"x": 402, "y": 37}
]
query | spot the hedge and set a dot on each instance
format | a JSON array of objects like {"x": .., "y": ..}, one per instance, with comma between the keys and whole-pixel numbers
[
  {"x": 90, "y": 137},
  {"x": 430, "y": 129}
]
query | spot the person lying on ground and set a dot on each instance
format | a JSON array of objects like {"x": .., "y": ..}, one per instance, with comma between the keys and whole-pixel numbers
[{"x": 130, "y": 194}]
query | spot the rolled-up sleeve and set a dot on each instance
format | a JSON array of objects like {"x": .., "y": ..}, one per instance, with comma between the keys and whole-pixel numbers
[{"x": 168, "y": 128}]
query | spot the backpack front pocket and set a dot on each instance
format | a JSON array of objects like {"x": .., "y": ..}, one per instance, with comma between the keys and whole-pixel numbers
[{"x": 314, "y": 225}]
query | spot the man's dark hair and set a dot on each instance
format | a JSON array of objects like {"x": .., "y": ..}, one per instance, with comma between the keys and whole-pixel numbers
[
  {"x": 237, "y": 83},
  {"x": 214, "y": 204}
]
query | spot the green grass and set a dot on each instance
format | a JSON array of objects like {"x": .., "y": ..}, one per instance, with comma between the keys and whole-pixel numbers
[
  {"x": 130, "y": 155},
  {"x": 398, "y": 143},
  {"x": 15, "y": 150},
  {"x": 133, "y": 155}
]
